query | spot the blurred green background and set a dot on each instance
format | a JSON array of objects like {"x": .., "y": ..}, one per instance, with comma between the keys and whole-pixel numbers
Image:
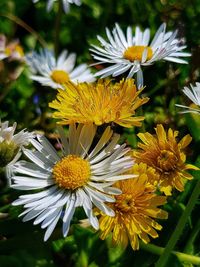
[{"x": 26, "y": 102}]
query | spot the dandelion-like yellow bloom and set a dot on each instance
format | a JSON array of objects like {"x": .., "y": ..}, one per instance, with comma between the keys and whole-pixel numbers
[
  {"x": 135, "y": 210},
  {"x": 99, "y": 103},
  {"x": 166, "y": 156}
]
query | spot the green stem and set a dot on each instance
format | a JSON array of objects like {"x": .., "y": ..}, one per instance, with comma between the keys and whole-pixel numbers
[
  {"x": 25, "y": 26},
  {"x": 179, "y": 228},
  {"x": 82, "y": 259},
  {"x": 192, "y": 237},
  {"x": 157, "y": 87},
  {"x": 181, "y": 256},
  {"x": 57, "y": 28}
]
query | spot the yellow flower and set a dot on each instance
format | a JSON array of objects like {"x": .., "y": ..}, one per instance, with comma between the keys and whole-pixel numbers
[
  {"x": 99, "y": 103},
  {"x": 135, "y": 210},
  {"x": 166, "y": 156},
  {"x": 143, "y": 169}
]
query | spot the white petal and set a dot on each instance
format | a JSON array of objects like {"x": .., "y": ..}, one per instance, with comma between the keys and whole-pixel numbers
[
  {"x": 28, "y": 168},
  {"x": 107, "y": 210},
  {"x": 52, "y": 226},
  {"x": 30, "y": 197},
  {"x": 106, "y": 150},
  {"x": 120, "y": 177},
  {"x": 51, "y": 201},
  {"x": 98, "y": 195},
  {"x": 48, "y": 148},
  {"x": 32, "y": 214},
  {"x": 43, "y": 215},
  {"x": 176, "y": 60},
  {"x": 70, "y": 208},
  {"x": 139, "y": 79},
  {"x": 102, "y": 142},
  {"x": 38, "y": 159},
  {"x": 85, "y": 139},
  {"x": 64, "y": 140},
  {"x": 49, "y": 219}
]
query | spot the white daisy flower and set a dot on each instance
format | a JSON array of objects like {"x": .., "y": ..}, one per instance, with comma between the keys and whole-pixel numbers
[
  {"x": 11, "y": 144},
  {"x": 3, "y": 53},
  {"x": 129, "y": 52},
  {"x": 193, "y": 94},
  {"x": 11, "y": 50},
  {"x": 82, "y": 176},
  {"x": 51, "y": 72},
  {"x": 7, "y": 135},
  {"x": 66, "y": 4}
]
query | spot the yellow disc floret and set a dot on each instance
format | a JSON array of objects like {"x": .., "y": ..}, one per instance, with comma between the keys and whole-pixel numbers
[
  {"x": 125, "y": 203},
  {"x": 20, "y": 50},
  {"x": 8, "y": 51},
  {"x": 60, "y": 76},
  {"x": 71, "y": 172},
  {"x": 133, "y": 53},
  {"x": 167, "y": 160}
]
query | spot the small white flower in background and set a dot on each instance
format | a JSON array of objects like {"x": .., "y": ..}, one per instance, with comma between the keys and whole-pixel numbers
[
  {"x": 82, "y": 176},
  {"x": 11, "y": 144},
  {"x": 53, "y": 72},
  {"x": 128, "y": 52},
  {"x": 3, "y": 53},
  {"x": 11, "y": 50},
  {"x": 7, "y": 134},
  {"x": 193, "y": 93},
  {"x": 66, "y": 4}
]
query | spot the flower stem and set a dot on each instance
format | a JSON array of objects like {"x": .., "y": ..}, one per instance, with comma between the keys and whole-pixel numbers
[
  {"x": 57, "y": 28},
  {"x": 179, "y": 228},
  {"x": 25, "y": 26},
  {"x": 181, "y": 256},
  {"x": 192, "y": 237}
]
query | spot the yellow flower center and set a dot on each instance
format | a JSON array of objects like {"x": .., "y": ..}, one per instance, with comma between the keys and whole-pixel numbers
[
  {"x": 135, "y": 52},
  {"x": 124, "y": 203},
  {"x": 19, "y": 49},
  {"x": 8, "y": 51},
  {"x": 71, "y": 172},
  {"x": 12, "y": 49},
  {"x": 167, "y": 160},
  {"x": 60, "y": 76}
]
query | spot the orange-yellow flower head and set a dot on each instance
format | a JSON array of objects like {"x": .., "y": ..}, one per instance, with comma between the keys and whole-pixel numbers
[
  {"x": 166, "y": 156},
  {"x": 135, "y": 210},
  {"x": 99, "y": 103}
]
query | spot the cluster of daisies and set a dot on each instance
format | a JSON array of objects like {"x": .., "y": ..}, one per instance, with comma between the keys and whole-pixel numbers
[{"x": 119, "y": 188}]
